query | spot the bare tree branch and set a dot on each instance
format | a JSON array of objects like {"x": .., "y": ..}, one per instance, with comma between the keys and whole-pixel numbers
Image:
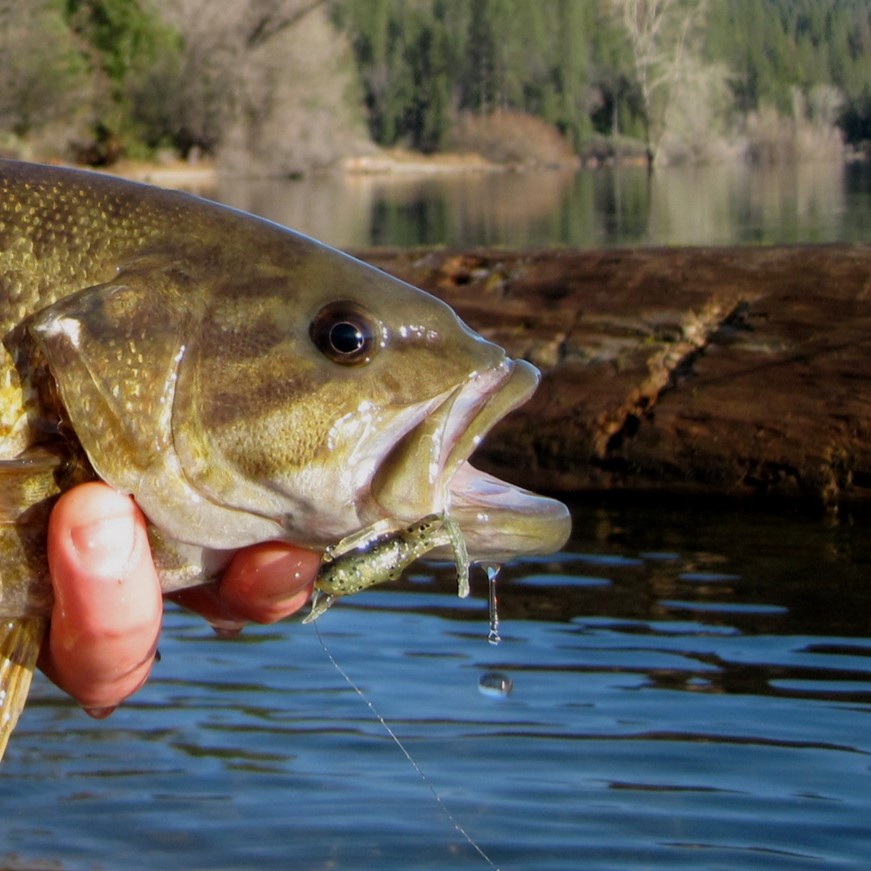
[
  {"x": 658, "y": 33},
  {"x": 265, "y": 84},
  {"x": 276, "y": 20}
]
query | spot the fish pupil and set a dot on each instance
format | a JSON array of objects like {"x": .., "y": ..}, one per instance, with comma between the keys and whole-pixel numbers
[
  {"x": 346, "y": 338},
  {"x": 345, "y": 332}
]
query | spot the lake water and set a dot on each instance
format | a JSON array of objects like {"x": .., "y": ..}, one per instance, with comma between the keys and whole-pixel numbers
[
  {"x": 691, "y": 689},
  {"x": 736, "y": 204},
  {"x": 690, "y": 680}
]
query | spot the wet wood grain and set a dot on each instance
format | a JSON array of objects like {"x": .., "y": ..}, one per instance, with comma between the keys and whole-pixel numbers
[{"x": 720, "y": 370}]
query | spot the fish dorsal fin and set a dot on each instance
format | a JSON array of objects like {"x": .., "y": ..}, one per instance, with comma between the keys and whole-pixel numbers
[{"x": 114, "y": 350}]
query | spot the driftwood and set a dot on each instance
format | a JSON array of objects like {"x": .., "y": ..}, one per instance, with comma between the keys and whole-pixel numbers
[{"x": 731, "y": 370}]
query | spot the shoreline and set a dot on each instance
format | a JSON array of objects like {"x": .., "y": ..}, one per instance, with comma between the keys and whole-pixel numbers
[
  {"x": 205, "y": 174},
  {"x": 196, "y": 176},
  {"x": 401, "y": 162}
]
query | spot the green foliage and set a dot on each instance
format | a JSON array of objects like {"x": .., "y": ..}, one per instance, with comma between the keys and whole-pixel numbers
[
  {"x": 136, "y": 56},
  {"x": 774, "y": 46},
  {"x": 405, "y": 57},
  {"x": 119, "y": 69},
  {"x": 423, "y": 62}
]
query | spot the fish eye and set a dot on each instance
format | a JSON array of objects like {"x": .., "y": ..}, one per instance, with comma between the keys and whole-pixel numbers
[{"x": 344, "y": 332}]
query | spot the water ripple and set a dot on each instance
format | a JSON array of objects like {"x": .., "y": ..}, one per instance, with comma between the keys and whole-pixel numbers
[{"x": 701, "y": 704}]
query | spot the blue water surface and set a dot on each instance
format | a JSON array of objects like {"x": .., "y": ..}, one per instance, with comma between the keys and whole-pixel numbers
[{"x": 704, "y": 704}]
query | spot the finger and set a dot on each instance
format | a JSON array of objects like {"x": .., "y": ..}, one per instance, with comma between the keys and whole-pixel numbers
[
  {"x": 105, "y": 621},
  {"x": 269, "y": 581},
  {"x": 263, "y": 583}
]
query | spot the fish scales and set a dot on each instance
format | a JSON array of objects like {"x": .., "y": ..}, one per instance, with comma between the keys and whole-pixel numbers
[
  {"x": 243, "y": 382},
  {"x": 66, "y": 246}
]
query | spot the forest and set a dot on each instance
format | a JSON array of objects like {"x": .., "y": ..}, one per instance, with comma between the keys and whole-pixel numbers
[{"x": 279, "y": 87}]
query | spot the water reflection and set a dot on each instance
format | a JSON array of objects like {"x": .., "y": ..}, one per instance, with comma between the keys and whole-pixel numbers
[
  {"x": 719, "y": 205},
  {"x": 785, "y": 203}
]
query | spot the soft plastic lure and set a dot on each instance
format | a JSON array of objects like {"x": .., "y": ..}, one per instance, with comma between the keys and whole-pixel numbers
[{"x": 372, "y": 556}]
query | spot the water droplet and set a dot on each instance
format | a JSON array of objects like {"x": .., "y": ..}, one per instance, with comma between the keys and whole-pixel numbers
[
  {"x": 492, "y": 573},
  {"x": 495, "y": 683}
]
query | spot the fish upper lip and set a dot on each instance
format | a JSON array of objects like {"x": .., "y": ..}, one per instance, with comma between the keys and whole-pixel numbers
[
  {"x": 494, "y": 394},
  {"x": 415, "y": 478}
]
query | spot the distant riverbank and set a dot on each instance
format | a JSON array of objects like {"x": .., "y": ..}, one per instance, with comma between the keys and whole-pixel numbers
[{"x": 203, "y": 174}]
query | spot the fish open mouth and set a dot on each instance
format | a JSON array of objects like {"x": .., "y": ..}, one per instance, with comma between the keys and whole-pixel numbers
[{"x": 429, "y": 472}]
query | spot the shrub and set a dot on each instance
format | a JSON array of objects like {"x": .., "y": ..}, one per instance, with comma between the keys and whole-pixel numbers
[
  {"x": 810, "y": 134},
  {"x": 43, "y": 77},
  {"x": 511, "y": 137}
]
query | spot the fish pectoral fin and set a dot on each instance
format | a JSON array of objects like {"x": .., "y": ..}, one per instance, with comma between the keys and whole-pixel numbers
[{"x": 20, "y": 641}]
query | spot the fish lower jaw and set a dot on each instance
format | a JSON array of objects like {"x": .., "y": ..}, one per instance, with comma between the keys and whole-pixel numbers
[
  {"x": 498, "y": 520},
  {"x": 501, "y": 521}
]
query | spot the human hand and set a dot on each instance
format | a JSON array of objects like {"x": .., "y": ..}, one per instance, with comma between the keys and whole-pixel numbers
[{"x": 107, "y": 612}]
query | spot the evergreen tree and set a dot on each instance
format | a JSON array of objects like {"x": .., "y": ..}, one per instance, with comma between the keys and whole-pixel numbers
[
  {"x": 425, "y": 64},
  {"x": 431, "y": 64},
  {"x": 479, "y": 74}
]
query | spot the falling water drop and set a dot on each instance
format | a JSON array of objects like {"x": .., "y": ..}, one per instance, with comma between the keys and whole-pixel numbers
[
  {"x": 495, "y": 684},
  {"x": 492, "y": 573}
]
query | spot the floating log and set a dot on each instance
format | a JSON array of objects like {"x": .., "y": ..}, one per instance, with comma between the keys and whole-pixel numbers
[{"x": 734, "y": 371}]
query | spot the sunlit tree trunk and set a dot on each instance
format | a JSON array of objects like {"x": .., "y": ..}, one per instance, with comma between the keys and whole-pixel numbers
[{"x": 658, "y": 33}]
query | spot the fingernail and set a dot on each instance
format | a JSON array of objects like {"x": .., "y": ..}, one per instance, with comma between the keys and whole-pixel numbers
[
  {"x": 226, "y": 628},
  {"x": 105, "y": 548},
  {"x": 99, "y": 713}
]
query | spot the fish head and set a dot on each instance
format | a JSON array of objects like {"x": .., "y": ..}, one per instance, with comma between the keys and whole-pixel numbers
[{"x": 304, "y": 397}]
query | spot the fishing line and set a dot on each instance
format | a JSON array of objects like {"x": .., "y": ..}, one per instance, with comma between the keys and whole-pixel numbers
[{"x": 386, "y": 726}]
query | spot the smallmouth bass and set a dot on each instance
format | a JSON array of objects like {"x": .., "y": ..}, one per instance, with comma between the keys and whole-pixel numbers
[{"x": 243, "y": 382}]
